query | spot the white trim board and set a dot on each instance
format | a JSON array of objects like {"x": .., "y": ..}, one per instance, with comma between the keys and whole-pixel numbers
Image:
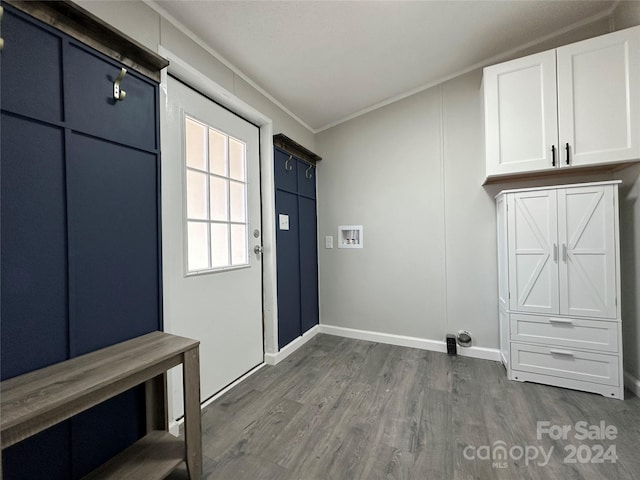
[
  {"x": 413, "y": 342},
  {"x": 632, "y": 383},
  {"x": 275, "y": 358}
]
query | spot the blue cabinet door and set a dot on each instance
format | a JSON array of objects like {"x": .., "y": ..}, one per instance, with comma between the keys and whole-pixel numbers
[
  {"x": 31, "y": 69},
  {"x": 308, "y": 264},
  {"x": 288, "y": 253},
  {"x": 113, "y": 235}
]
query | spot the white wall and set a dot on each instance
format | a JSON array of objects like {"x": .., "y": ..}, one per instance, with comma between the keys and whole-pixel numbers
[
  {"x": 411, "y": 173},
  {"x": 145, "y": 25}
]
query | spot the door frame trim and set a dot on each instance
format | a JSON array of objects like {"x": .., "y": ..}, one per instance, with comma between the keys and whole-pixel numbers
[{"x": 193, "y": 77}]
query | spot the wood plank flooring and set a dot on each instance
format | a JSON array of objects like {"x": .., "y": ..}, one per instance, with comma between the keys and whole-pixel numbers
[{"x": 347, "y": 409}]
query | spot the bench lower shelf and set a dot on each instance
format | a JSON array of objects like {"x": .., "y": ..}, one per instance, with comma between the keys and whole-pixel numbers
[{"x": 152, "y": 457}]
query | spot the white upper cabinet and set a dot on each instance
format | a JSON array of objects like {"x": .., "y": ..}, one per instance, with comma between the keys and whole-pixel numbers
[
  {"x": 573, "y": 106},
  {"x": 521, "y": 122},
  {"x": 599, "y": 99}
]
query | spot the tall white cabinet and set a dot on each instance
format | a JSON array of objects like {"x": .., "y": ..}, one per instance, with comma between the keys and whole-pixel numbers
[
  {"x": 573, "y": 106},
  {"x": 559, "y": 286}
]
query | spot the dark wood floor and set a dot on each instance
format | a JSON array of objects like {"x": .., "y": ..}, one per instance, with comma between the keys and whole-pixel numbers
[{"x": 349, "y": 409}]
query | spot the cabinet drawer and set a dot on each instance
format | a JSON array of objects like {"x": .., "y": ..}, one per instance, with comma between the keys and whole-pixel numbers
[
  {"x": 565, "y": 332},
  {"x": 565, "y": 363}
]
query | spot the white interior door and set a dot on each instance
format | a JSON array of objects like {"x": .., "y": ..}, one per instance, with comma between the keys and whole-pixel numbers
[
  {"x": 211, "y": 224},
  {"x": 587, "y": 259},
  {"x": 533, "y": 251}
]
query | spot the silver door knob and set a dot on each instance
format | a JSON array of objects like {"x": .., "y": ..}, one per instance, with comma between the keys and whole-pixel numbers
[{"x": 258, "y": 249}]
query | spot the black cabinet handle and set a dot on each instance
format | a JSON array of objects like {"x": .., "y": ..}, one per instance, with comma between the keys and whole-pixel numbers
[
  {"x": 567, "y": 148},
  {"x": 553, "y": 155}
]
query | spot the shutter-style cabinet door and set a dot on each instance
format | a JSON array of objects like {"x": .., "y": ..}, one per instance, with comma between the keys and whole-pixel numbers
[
  {"x": 587, "y": 239},
  {"x": 533, "y": 251}
]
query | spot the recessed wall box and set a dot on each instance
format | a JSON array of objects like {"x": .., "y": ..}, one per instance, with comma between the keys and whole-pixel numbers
[{"x": 350, "y": 236}]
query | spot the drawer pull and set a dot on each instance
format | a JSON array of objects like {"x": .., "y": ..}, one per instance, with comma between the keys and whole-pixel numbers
[
  {"x": 561, "y": 320},
  {"x": 562, "y": 352}
]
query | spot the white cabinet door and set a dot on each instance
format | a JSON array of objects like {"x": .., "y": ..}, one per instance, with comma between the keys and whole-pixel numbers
[
  {"x": 503, "y": 260},
  {"x": 599, "y": 99},
  {"x": 533, "y": 251},
  {"x": 521, "y": 114},
  {"x": 587, "y": 241}
]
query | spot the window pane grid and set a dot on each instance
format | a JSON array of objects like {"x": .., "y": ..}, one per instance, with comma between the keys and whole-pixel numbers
[{"x": 222, "y": 193}]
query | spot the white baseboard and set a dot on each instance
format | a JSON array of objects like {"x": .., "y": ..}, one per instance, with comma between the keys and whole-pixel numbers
[
  {"x": 275, "y": 358},
  {"x": 413, "y": 342},
  {"x": 632, "y": 383}
]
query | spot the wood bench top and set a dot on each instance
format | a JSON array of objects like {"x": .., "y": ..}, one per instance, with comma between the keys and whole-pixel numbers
[{"x": 44, "y": 392}]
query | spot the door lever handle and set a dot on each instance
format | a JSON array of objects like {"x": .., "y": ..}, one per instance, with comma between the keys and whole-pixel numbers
[
  {"x": 555, "y": 252},
  {"x": 564, "y": 252}
]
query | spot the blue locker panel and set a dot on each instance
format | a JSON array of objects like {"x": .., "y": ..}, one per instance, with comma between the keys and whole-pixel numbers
[
  {"x": 308, "y": 264},
  {"x": 91, "y": 107},
  {"x": 113, "y": 239},
  {"x": 34, "y": 328},
  {"x": 113, "y": 278},
  {"x": 306, "y": 179},
  {"x": 119, "y": 424},
  {"x": 285, "y": 171},
  {"x": 44, "y": 456},
  {"x": 34, "y": 325},
  {"x": 288, "y": 270},
  {"x": 33, "y": 93}
]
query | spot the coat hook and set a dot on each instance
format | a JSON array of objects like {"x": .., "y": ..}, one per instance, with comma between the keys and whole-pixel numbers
[
  {"x": 119, "y": 94},
  {"x": 1, "y": 39},
  {"x": 307, "y": 172},
  {"x": 288, "y": 167}
]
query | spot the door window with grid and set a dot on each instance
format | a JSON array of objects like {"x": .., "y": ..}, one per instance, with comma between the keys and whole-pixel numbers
[{"x": 216, "y": 199}]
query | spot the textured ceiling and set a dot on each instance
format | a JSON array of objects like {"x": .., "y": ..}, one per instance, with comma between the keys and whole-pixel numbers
[{"x": 328, "y": 60}]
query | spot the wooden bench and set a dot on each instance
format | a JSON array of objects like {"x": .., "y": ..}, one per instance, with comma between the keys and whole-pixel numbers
[{"x": 40, "y": 399}]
